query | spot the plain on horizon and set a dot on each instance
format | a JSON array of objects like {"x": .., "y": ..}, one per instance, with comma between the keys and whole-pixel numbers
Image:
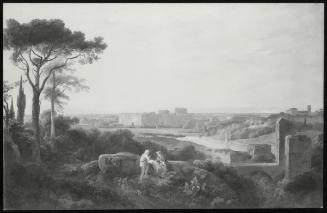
[{"x": 205, "y": 57}]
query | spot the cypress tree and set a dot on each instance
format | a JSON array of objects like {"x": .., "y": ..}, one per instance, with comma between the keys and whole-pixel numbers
[
  {"x": 21, "y": 103},
  {"x": 12, "y": 111}
]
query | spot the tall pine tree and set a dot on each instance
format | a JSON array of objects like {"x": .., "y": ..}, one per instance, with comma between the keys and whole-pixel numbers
[
  {"x": 12, "y": 111},
  {"x": 21, "y": 103}
]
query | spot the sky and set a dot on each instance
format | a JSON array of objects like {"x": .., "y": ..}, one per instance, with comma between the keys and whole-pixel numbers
[{"x": 205, "y": 57}]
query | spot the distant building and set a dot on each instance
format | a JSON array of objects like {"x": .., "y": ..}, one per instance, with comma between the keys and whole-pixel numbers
[
  {"x": 151, "y": 120},
  {"x": 296, "y": 112},
  {"x": 163, "y": 112},
  {"x": 292, "y": 111},
  {"x": 319, "y": 112},
  {"x": 130, "y": 119},
  {"x": 180, "y": 111}
]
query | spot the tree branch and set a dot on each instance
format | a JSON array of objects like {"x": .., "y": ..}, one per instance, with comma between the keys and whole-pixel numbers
[
  {"x": 29, "y": 55},
  {"x": 41, "y": 58},
  {"x": 55, "y": 68},
  {"x": 27, "y": 71},
  {"x": 48, "y": 55},
  {"x": 63, "y": 91},
  {"x": 51, "y": 59}
]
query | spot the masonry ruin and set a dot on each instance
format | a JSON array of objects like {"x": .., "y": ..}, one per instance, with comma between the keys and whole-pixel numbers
[
  {"x": 293, "y": 154},
  {"x": 298, "y": 155},
  {"x": 283, "y": 128}
]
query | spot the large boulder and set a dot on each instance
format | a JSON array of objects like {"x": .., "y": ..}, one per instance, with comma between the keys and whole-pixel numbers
[{"x": 122, "y": 163}]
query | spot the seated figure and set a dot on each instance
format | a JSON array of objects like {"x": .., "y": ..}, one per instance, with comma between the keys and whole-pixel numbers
[{"x": 160, "y": 164}]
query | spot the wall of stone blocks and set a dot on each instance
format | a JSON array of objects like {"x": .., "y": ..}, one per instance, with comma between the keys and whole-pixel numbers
[
  {"x": 283, "y": 128},
  {"x": 297, "y": 155}
]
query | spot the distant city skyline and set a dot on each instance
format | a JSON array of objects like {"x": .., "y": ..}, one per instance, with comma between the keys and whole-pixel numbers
[
  {"x": 208, "y": 58},
  {"x": 226, "y": 110}
]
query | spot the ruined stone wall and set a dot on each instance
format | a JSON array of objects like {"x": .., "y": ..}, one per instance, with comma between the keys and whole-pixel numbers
[
  {"x": 283, "y": 128},
  {"x": 256, "y": 150},
  {"x": 298, "y": 155},
  {"x": 293, "y": 157}
]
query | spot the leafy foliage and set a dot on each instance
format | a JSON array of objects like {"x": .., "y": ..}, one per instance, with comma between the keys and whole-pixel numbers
[
  {"x": 59, "y": 84},
  {"x": 43, "y": 47},
  {"x": 302, "y": 183},
  {"x": 244, "y": 187},
  {"x": 317, "y": 154},
  {"x": 194, "y": 187},
  {"x": 186, "y": 153},
  {"x": 49, "y": 32},
  {"x": 8, "y": 110},
  {"x": 62, "y": 123},
  {"x": 23, "y": 137}
]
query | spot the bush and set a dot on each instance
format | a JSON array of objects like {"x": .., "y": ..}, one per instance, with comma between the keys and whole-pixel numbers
[
  {"x": 304, "y": 183},
  {"x": 118, "y": 141},
  {"x": 317, "y": 153},
  {"x": 62, "y": 123},
  {"x": 48, "y": 155},
  {"x": 245, "y": 133},
  {"x": 23, "y": 138},
  {"x": 194, "y": 188},
  {"x": 87, "y": 145},
  {"x": 25, "y": 185},
  {"x": 244, "y": 187},
  {"x": 186, "y": 153}
]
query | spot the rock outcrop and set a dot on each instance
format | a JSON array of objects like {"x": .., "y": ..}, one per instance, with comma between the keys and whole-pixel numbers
[{"x": 122, "y": 163}]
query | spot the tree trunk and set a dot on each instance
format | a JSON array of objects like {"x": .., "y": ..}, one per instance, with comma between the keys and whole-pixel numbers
[
  {"x": 6, "y": 118},
  {"x": 53, "y": 128},
  {"x": 36, "y": 125}
]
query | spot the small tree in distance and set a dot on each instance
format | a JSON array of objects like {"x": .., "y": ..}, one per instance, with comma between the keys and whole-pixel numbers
[
  {"x": 41, "y": 47},
  {"x": 55, "y": 92},
  {"x": 21, "y": 103},
  {"x": 5, "y": 97},
  {"x": 12, "y": 110}
]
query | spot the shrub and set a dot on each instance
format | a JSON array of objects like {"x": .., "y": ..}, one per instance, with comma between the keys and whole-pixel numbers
[
  {"x": 194, "y": 187},
  {"x": 74, "y": 139},
  {"x": 25, "y": 185},
  {"x": 87, "y": 145},
  {"x": 48, "y": 155},
  {"x": 62, "y": 123},
  {"x": 244, "y": 187},
  {"x": 304, "y": 183},
  {"x": 118, "y": 141},
  {"x": 317, "y": 153},
  {"x": 244, "y": 132},
  {"x": 23, "y": 138},
  {"x": 186, "y": 153}
]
